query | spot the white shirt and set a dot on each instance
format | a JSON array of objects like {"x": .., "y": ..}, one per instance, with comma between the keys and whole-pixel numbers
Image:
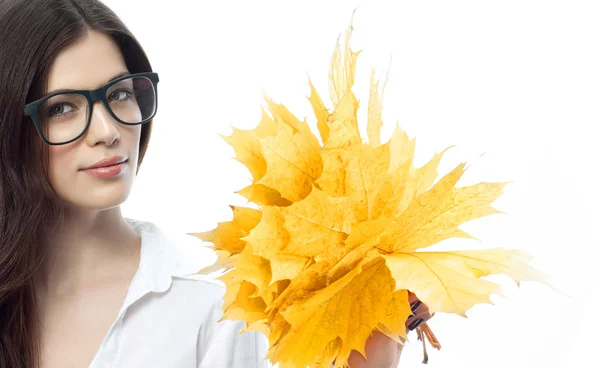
[{"x": 169, "y": 319}]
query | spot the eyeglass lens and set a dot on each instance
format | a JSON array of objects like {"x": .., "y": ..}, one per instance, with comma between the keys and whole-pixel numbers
[{"x": 64, "y": 117}]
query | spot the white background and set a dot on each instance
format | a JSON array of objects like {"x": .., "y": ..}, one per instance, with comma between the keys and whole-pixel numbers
[{"x": 515, "y": 85}]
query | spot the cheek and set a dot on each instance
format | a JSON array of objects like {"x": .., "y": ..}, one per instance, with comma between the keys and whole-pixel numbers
[
  {"x": 135, "y": 135},
  {"x": 62, "y": 164},
  {"x": 130, "y": 141}
]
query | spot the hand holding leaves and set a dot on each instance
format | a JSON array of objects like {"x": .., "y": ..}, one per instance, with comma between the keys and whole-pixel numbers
[{"x": 382, "y": 351}]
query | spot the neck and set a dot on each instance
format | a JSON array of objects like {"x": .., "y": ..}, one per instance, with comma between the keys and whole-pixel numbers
[{"x": 90, "y": 247}]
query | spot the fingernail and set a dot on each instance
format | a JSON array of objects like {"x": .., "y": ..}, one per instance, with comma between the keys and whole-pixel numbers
[
  {"x": 410, "y": 317},
  {"x": 415, "y": 324},
  {"x": 415, "y": 305}
]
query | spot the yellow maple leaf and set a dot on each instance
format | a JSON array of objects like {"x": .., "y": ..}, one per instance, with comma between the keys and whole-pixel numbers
[
  {"x": 227, "y": 236},
  {"x": 363, "y": 296},
  {"x": 450, "y": 281},
  {"x": 374, "y": 121},
  {"x": 339, "y": 239},
  {"x": 285, "y": 164}
]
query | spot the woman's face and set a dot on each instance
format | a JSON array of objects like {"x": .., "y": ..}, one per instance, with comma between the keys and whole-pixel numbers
[{"x": 89, "y": 64}]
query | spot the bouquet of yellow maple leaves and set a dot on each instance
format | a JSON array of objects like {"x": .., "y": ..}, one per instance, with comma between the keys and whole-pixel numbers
[{"x": 334, "y": 247}]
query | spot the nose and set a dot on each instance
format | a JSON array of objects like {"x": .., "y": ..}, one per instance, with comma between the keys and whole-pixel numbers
[{"x": 103, "y": 127}]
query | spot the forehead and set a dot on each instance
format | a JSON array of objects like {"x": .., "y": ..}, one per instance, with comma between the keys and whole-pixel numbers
[{"x": 88, "y": 64}]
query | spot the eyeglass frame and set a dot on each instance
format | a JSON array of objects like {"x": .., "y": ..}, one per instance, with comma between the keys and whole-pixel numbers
[{"x": 99, "y": 94}]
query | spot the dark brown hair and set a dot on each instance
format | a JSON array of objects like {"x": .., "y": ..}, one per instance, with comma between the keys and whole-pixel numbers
[{"x": 32, "y": 33}]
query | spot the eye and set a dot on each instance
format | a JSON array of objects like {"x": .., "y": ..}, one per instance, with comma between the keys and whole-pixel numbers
[
  {"x": 120, "y": 95},
  {"x": 59, "y": 110}
]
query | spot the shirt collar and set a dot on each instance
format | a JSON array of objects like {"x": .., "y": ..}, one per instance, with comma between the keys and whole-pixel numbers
[{"x": 162, "y": 257}]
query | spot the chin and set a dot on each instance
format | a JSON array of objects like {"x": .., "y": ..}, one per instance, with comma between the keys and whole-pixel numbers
[
  {"x": 98, "y": 198},
  {"x": 100, "y": 205},
  {"x": 97, "y": 205}
]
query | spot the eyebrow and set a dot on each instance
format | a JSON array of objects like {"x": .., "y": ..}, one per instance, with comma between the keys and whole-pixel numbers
[{"x": 121, "y": 74}]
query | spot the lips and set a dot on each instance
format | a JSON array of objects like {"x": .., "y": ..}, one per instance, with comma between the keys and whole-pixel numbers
[{"x": 111, "y": 161}]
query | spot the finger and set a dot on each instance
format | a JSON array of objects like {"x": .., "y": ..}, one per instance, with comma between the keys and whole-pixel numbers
[
  {"x": 423, "y": 313},
  {"x": 414, "y": 306},
  {"x": 420, "y": 314},
  {"x": 412, "y": 297},
  {"x": 417, "y": 307},
  {"x": 415, "y": 323}
]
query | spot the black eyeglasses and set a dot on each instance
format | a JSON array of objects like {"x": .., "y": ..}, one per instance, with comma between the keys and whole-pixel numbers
[{"x": 63, "y": 117}]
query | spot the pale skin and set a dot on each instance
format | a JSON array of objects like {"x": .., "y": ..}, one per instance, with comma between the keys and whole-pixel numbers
[{"x": 95, "y": 255}]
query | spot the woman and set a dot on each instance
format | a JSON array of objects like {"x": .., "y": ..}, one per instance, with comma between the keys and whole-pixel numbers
[{"x": 80, "y": 285}]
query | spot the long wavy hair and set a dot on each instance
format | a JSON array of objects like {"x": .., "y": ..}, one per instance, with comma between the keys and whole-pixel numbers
[{"x": 32, "y": 33}]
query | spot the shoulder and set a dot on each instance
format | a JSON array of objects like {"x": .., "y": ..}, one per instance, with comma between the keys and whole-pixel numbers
[
  {"x": 171, "y": 262},
  {"x": 221, "y": 342},
  {"x": 169, "y": 266},
  {"x": 179, "y": 254}
]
